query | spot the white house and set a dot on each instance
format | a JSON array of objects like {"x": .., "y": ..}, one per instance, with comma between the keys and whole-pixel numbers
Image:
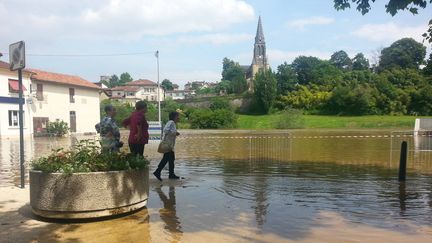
[
  {"x": 142, "y": 89},
  {"x": 130, "y": 94},
  {"x": 179, "y": 94},
  {"x": 9, "y": 102},
  {"x": 64, "y": 97},
  {"x": 150, "y": 90}
]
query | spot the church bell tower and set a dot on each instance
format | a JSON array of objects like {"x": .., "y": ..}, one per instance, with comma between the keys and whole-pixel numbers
[{"x": 259, "y": 60}]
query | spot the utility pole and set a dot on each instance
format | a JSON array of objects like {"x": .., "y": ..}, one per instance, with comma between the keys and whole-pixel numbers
[{"x": 158, "y": 91}]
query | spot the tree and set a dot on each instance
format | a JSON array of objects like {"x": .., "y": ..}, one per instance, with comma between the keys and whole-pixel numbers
[
  {"x": 428, "y": 69},
  {"x": 286, "y": 78},
  {"x": 232, "y": 72},
  {"x": 125, "y": 78},
  {"x": 392, "y": 7},
  {"x": 167, "y": 85},
  {"x": 265, "y": 89},
  {"x": 404, "y": 53},
  {"x": 223, "y": 87},
  {"x": 114, "y": 81},
  {"x": 359, "y": 62},
  {"x": 326, "y": 75},
  {"x": 353, "y": 99},
  {"x": 422, "y": 101},
  {"x": 341, "y": 60},
  {"x": 226, "y": 65},
  {"x": 303, "y": 67}
]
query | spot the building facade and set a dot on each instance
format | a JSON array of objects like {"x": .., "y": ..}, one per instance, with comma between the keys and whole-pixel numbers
[
  {"x": 142, "y": 89},
  {"x": 179, "y": 94},
  {"x": 9, "y": 102},
  {"x": 64, "y": 97}
]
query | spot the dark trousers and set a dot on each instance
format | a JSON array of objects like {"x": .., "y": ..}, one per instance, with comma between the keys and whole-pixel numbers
[
  {"x": 136, "y": 149},
  {"x": 167, "y": 158}
]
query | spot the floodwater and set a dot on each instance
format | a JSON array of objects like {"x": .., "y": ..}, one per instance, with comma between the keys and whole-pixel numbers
[{"x": 272, "y": 186}]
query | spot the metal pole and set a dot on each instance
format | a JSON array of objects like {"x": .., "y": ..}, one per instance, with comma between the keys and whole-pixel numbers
[
  {"x": 403, "y": 161},
  {"x": 21, "y": 126},
  {"x": 158, "y": 95}
]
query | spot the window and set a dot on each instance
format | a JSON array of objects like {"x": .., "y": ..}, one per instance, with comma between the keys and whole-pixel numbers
[
  {"x": 131, "y": 94},
  {"x": 71, "y": 95},
  {"x": 14, "y": 86},
  {"x": 39, "y": 92},
  {"x": 14, "y": 118},
  {"x": 152, "y": 97}
]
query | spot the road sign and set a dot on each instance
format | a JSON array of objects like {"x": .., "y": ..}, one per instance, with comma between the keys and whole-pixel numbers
[{"x": 17, "y": 55}]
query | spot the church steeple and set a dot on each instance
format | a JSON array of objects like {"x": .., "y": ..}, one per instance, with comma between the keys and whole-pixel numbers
[
  {"x": 259, "y": 38},
  {"x": 260, "y": 55}
]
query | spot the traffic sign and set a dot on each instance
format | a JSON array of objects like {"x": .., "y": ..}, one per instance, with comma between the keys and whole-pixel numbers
[{"x": 17, "y": 55}]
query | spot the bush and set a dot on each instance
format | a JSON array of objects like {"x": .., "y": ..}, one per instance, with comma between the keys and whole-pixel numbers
[
  {"x": 220, "y": 103},
  {"x": 58, "y": 128},
  {"x": 290, "y": 119},
  {"x": 86, "y": 156},
  {"x": 208, "y": 119}
]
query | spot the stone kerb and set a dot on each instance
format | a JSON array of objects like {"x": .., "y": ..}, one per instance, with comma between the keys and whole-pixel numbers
[{"x": 88, "y": 195}]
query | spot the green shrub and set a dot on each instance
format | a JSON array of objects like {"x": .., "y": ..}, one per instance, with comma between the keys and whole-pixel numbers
[
  {"x": 58, "y": 128},
  {"x": 86, "y": 156},
  {"x": 208, "y": 119},
  {"x": 290, "y": 119},
  {"x": 220, "y": 103}
]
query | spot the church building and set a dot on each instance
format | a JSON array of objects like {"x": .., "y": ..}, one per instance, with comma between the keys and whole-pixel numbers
[{"x": 259, "y": 60}]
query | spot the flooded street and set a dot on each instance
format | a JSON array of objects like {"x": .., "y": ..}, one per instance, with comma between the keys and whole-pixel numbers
[{"x": 267, "y": 187}]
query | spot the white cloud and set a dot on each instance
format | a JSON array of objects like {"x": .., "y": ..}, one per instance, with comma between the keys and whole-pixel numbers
[
  {"x": 316, "y": 20},
  {"x": 389, "y": 32},
  {"x": 215, "y": 39},
  {"x": 117, "y": 19}
]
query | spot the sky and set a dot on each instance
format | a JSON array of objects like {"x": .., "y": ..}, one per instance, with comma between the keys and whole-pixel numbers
[{"x": 90, "y": 38}]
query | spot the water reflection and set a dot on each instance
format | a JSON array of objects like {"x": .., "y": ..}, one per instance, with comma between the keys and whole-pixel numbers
[
  {"x": 402, "y": 197},
  {"x": 168, "y": 213},
  {"x": 274, "y": 185},
  {"x": 129, "y": 228}
]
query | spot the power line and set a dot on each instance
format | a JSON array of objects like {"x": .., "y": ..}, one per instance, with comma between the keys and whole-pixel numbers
[{"x": 89, "y": 55}]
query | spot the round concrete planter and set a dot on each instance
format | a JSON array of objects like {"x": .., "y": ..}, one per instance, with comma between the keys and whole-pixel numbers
[{"x": 88, "y": 195}]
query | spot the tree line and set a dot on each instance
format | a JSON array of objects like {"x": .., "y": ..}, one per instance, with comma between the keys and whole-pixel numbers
[{"x": 399, "y": 84}]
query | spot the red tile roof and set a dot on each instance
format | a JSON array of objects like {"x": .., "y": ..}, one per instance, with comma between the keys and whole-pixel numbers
[
  {"x": 6, "y": 65},
  {"x": 62, "y": 79},
  {"x": 142, "y": 82}
]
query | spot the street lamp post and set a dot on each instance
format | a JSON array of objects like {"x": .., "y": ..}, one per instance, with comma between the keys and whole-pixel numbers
[{"x": 158, "y": 90}]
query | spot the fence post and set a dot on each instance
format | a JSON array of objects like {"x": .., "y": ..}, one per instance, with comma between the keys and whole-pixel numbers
[{"x": 403, "y": 161}]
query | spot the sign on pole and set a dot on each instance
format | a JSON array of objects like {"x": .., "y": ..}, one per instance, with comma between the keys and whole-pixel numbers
[
  {"x": 17, "y": 55},
  {"x": 17, "y": 62}
]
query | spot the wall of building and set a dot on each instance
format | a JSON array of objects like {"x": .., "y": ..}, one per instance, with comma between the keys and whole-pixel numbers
[
  {"x": 9, "y": 102},
  {"x": 56, "y": 105},
  {"x": 147, "y": 93}
]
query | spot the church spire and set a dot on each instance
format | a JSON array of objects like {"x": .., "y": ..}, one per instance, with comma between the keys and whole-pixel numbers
[
  {"x": 260, "y": 55},
  {"x": 259, "y": 38}
]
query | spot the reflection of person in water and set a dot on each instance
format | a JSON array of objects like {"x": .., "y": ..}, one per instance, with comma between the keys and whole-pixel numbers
[{"x": 168, "y": 212}]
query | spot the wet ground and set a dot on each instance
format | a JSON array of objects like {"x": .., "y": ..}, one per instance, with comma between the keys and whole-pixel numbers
[{"x": 304, "y": 186}]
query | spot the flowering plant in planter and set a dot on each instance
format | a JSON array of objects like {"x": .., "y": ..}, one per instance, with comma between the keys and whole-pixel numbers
[
  {"x": 86, "y": 156},
  {"x": 84, "y": 182}
]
